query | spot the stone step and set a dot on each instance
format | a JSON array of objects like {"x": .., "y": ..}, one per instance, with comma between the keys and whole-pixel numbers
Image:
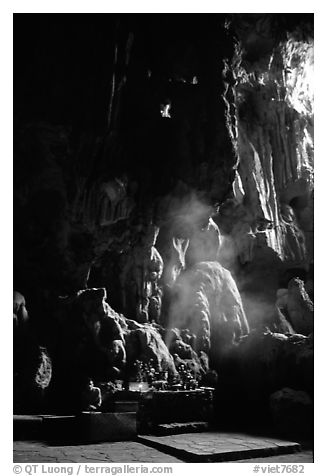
[
  {"x": 117, "y": 426},
  {"x": 87, "y": 427},
  {"x": 212, "y": 447},
  {"x": 59, "y": 427},
  {"x": 91, "y": 427},
  {"x": 27, "y": 427},
  {"x": 176, "y": 428}
]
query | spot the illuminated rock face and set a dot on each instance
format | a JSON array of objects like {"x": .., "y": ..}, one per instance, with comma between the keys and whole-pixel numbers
[
  {"x": 299, "y": 307},
  {"x": 270, "y": 105},
  {"x": 207, "y": 302}
]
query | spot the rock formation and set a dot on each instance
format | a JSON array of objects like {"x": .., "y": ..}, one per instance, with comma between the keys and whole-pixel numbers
[
  {"x": 141, "y": 270},
  {"x": 145, "y": 344},
  {"x": 292, "y": 412},
  {"x": 207, "y": 302},
  {"x": 92, "y": 341},
  {"x": 163, "y": 194},
  {"x": 32, "y": 365},
  {"x": 264, "y": 363},
  {"x": 299, "y": 307},
  {"x": 269, "y": 101}
]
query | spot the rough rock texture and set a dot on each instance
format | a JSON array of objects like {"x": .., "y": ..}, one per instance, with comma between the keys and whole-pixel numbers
[
  {"x": 281, "y": 324},
  {"x": 292, "y": 412},
  {"x": 189, "y": 235},
  {"x": 299, "y": 307},
  {"x": 32, "y": 376},
  {"x": 207, "y": 302},
  {"x": 275, "y": 358},
  {"x": 93, "y": 341},
  {"x": 270, "y": 103},
  {"x": 32, "y": 364},
  {"x": 180, "y": 344},
  {"x": 141, "y": 270},
  {"x": 19, "y": 310},
  {"x": 267, "y": 221},
  {"x": 145, "y": 344},
  {"x": 295, "y": 305},
  {"x": 260, "y": 365},
  {"x": 114, "y": 339}
]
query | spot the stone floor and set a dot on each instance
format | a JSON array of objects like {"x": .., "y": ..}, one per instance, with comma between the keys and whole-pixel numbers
[{"x": 235, "y": 445}]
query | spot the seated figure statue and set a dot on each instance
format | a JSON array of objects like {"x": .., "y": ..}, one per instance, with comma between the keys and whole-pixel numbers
[{"x": 91, "y": 397}]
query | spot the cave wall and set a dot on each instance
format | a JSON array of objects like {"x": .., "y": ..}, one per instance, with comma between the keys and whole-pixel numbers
[
  {"x": 163, "y": 193},
  {"x": 95, "y": 162},
  {"x": 274, "y": 140},
  {"x": 131, "y": 131},
  {"x": 268, "y": 219}
]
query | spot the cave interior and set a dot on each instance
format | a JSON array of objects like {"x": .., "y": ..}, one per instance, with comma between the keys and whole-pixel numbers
[{"x": 163, "y": 207}]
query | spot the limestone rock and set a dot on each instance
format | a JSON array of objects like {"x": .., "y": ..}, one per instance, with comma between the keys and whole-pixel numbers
[
  {"x": 207, "y": 302},
  {"x": 108, "y": 202},
  {"x": 173, "y": 252},
  {"x": 292, "y": 411},
  {"x": 189, "y": 235},
  {"x": 32, "y": 363},
  {"x": 281, "y": 298},
  {"x": 141, "y": 271},
  {"x": 280, "y": 323},
  {"x": 299, "y": 307},
  {"x": 90, "y": 336},
  {"x": 239, "y": 228},
  {"x": 183, "y": 352},
  {"x": 19, "y": 309},
  {"x": 204, "y": 243},
  {"x": 32, "y": 374},
  {"x": 144, "y": 343},
  {"x": 270, "y": 361},
  {"x": 44, "y": 370},
  {"x": 261, "y": 364},
  {"x": 273, "y": 140},
  {"x": 102, "y": 321}
]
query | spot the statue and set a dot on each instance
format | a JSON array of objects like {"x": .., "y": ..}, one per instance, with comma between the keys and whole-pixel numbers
[
  {"x": 91, "y": 397},
  {"x": 20, "y": 311}
]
